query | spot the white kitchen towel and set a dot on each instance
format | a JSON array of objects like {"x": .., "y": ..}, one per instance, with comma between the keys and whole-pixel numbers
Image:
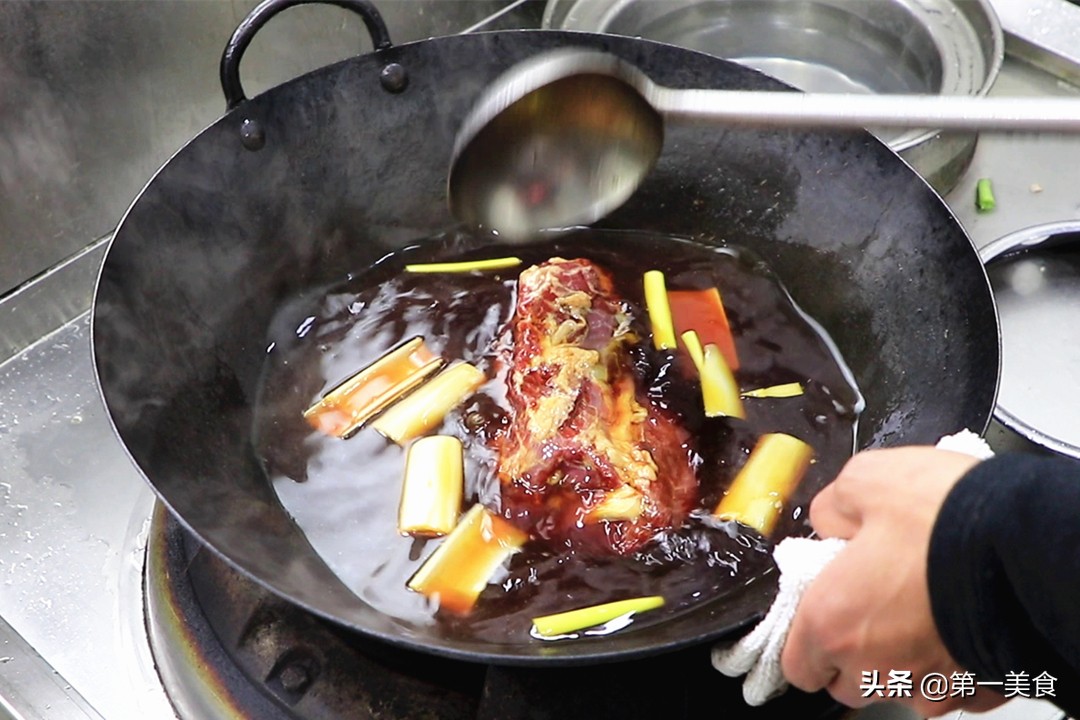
[{"x": 799, "y": 561}]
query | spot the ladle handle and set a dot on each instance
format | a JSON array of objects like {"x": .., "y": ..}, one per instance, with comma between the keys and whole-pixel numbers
[{"x": 787, "y": 109}]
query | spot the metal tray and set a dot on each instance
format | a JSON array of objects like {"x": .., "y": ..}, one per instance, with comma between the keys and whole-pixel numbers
[{"x": 1035, "y": 273}]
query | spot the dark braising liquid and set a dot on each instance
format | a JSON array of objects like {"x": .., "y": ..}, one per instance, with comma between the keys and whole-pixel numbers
[{"x": 344, "y": 494}]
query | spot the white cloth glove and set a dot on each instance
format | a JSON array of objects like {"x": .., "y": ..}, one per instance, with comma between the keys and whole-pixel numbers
[{"x": 799, "y": 560}]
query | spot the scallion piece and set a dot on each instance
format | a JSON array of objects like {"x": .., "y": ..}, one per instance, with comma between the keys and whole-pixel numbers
[
  {"x": 656, "y": 302},
  {"x": 763, "y": 485},
  {"x": 461, "y": 567},
  {"x": 719, "y": 389},
  {"x": 572, "y": 621},
  {"x": 343, "y": 410},
  {"x": 693, "y": 346},
  {"x": 425, "y": 408},
  {"x": 784, "y": 390},
  {"x": 465, "y": 266},
  {"x": 432, "y": 488},
  {"x": 984, "y": 195}
]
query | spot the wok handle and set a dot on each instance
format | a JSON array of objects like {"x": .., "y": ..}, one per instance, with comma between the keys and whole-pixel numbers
[{"x": 245, "y": 33}]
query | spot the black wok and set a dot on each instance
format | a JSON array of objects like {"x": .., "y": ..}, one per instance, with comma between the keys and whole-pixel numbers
[{"x": 325, "y": 174}]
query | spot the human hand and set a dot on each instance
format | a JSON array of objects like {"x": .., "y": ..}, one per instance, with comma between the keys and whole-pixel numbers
[{"x": 869, "y": 609}]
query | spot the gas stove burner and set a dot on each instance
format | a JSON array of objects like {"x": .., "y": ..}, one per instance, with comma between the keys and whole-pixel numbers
[{"x": 227, "y": 648}]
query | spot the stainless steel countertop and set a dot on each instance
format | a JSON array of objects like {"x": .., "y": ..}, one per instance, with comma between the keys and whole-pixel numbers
[{"x": 73, "y": 509}]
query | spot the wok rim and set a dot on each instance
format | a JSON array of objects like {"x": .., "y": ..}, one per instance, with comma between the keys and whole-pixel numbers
[{"x": 584, "y": 651}]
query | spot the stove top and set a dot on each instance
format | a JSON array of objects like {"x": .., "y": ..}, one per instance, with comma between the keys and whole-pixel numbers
[
  {"x": 79, "y": 533},
  {"x": 225, "y": 647}
]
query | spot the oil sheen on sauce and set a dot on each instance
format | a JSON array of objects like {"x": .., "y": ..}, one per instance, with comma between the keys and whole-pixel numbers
[{"x": 344, "y": 494}]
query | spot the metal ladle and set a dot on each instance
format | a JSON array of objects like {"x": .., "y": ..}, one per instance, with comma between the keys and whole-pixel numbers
[{"x": 566, "y": 136}]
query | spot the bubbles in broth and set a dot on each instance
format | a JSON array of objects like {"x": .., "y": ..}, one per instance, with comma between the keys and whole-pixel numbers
[{"x": 344, "y": 493}]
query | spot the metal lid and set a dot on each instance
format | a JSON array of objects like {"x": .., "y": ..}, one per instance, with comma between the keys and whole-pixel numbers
[{"x": 1035, "y": 275}]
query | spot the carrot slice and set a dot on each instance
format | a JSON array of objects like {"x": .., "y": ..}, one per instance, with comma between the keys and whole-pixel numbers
[{"x": 703, "y": 312}]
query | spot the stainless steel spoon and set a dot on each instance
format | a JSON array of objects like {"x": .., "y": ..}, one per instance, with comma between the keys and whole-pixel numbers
[{"x": 565, "y": 137}]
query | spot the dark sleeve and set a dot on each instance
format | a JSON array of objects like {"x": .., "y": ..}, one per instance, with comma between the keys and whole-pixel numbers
[{"x": 1004, "y": 573}]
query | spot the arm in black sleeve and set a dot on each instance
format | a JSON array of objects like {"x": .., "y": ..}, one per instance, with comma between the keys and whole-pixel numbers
[{"x": 1004, "y": 572}]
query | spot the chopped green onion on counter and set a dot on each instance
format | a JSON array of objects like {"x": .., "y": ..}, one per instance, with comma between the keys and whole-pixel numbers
[{"x": 984, "y": 195}]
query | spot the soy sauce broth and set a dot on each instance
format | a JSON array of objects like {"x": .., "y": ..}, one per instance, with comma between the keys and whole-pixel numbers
[{"x": 344, "y": 494}]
